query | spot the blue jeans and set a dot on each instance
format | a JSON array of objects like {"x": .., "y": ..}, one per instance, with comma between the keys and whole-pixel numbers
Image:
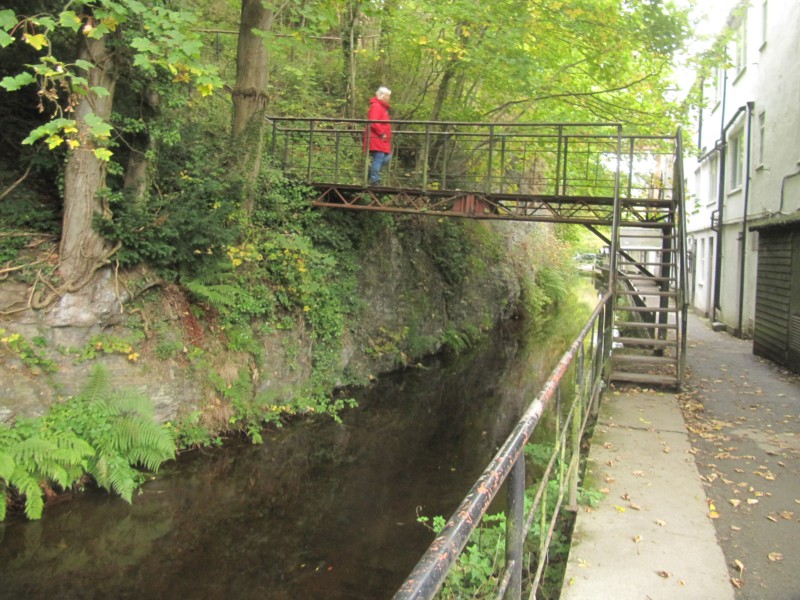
[{"x": 377, "y": 162}]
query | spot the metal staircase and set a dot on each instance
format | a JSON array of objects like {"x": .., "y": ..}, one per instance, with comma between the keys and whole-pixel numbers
[{"x": 648, "y": 273}]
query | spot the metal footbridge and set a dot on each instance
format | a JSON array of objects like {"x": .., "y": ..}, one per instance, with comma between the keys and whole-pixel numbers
[{"x": 627, "y": 189}]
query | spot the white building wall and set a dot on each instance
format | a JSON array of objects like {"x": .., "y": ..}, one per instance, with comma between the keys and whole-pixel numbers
[{"x": 752, "y": 125}]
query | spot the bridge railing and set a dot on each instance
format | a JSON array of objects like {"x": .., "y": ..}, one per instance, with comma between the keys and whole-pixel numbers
[
  {"x": 543, "y": 159},
  {"x": 573, "y": 387}
]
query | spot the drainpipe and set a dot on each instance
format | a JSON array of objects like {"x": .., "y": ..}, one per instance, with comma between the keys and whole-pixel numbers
[
  {"x": 783, "y": 185},
  {"x": 743, "y": 260},
  {"x": 720, "y": 147}
]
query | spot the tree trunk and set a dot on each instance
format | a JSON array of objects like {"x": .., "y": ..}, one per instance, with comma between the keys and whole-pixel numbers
[
  {"x": 82, "y": 248},
  {"x": 137, "y": 170},
  {"x": 250, "y": 93},
  {"x": 351, "y": 32}
]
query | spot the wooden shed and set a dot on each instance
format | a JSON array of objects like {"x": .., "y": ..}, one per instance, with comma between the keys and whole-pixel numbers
[{"x": 776, "y": 333}]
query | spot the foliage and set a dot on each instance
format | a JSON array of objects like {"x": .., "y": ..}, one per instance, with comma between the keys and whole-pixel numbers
[
  {"x": 476, "y": 572},
  {"x": 26, "y": 353},
  {"x": 105, "y": 433},
  {"x": 156, "y": 38}
]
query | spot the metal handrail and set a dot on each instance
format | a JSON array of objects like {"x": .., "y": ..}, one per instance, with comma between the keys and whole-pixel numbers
[
  {"x": 561, "y": 159},
  {"x": 508, "y": 466},
  {"x": 680, "y": 222}
]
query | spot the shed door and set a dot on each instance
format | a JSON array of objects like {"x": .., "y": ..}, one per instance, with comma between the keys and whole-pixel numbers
[
  {"x": 794, "y": 307},
  {"x": 774, "y": 295}
]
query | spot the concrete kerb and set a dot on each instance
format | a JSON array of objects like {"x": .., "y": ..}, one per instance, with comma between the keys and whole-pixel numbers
[{"x": 651, "y": 536}]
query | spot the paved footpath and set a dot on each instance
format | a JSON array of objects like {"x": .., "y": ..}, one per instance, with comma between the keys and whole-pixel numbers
[{"x": 702, "y": 489}]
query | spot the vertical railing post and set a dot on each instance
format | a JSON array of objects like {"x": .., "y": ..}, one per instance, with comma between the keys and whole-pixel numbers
[
  {"x": 575, "y": 433},
  {"x": 312, "y": 125},
  {"x": 337, "y": 149},
  {"x": 564, "y": 166},
  {"x": 443, "y": 183},
  {"x": 488, "y": 187},
  {"x": 274, "y": 140},
  {"x": 557, "y": 191},
  {"x": 514, "y": 527},
  {"x": 630, "y": 168},
  {"x": 367, "y": 135},
  {"x": 425, "y": 157}
]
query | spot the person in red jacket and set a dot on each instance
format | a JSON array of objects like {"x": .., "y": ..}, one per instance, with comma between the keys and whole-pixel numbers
[{"x": 378, "y": 134}]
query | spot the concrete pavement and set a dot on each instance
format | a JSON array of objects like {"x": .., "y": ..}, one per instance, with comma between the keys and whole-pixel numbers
[{"x": 701, "y": 489}]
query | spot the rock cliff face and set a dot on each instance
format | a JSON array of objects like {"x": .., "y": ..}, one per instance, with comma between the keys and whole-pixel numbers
[{"x": 405, "y": 310}]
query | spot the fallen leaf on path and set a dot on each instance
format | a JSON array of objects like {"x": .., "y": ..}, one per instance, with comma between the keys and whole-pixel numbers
[
  {"x": 735, "y": 502},
  {"x": 787, "y": 514},
  {"x": 775, "y": 556},
  {"x": 620, "y": 509},
  {"x": 664, "y": 574},
  {"x": 752, "y": 501},
  {"x": 737, "y": 583},
  {"x": 661, "y": 523},
  {"x": 735, "y": 528},
  {"x": 635, "y": 506},
  {"x": 739, "y": 566},
  {"x": 771, "y": 518}
]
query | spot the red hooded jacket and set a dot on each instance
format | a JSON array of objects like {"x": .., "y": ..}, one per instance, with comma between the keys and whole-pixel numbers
[{"x": 378, "y": 135}]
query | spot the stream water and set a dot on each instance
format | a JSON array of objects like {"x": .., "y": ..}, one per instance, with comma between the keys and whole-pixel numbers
[{"x": 320, "y": 510}]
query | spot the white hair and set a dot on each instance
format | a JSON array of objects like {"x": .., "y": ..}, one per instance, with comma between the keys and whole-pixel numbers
[{"x": 383, "y": 91}]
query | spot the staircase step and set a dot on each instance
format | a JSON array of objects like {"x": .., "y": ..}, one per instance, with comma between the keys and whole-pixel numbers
[
  {"x": 641, "y": 309},
  {"x": 643, "y": 359},
  {"x": 644, "y": 378},
  {"x": 647, "y": 293},
  {"x": 648, "y": 264},
  {"x": 646, "y": 342},
  {"x": 645, "y": 277},
  {"x": 640, "y": 325},
  {"x": 647, "y": 249}
]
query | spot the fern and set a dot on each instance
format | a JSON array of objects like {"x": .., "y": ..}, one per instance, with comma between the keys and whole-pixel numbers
[
  {"x": 31, "y": 455},
  {"x": 119, "y": 425},
  {"x": 103, "y": 432},
  {"x": 215, "y": 294}
]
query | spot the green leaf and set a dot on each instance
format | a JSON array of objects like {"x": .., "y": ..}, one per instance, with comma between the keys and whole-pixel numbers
[
  {"x": 12, "y": 84},
  {"x": 84, "y": 64},
  {"x": 100, "y": 91},
  {"x": 5, "y": 39},
  {"x": 8, "y": 20},
  {"x": 143, "y": 45},
  {"x": 69, "y": 20},
  {"x": 103, "y": 154},
  {"x": 97, "y": 126}
]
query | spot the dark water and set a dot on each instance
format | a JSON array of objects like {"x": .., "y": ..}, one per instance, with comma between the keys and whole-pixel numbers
[{"x": 320, "y": 510}]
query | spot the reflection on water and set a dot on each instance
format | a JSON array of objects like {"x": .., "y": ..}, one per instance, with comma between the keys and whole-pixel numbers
[{"x": 320, "y": 510}]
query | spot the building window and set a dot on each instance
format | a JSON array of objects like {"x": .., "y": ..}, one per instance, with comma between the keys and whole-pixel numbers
[
  {"x": 718, "y": 83},
  {"x": 736, "y": 158},
  {"x": 713, "y": 178},
  {"x": 701, "y": 263},
  {"x": 764, "y": 22},
  {"x": 740, "y": 42},
  {"x": 762, "y": 136}
]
